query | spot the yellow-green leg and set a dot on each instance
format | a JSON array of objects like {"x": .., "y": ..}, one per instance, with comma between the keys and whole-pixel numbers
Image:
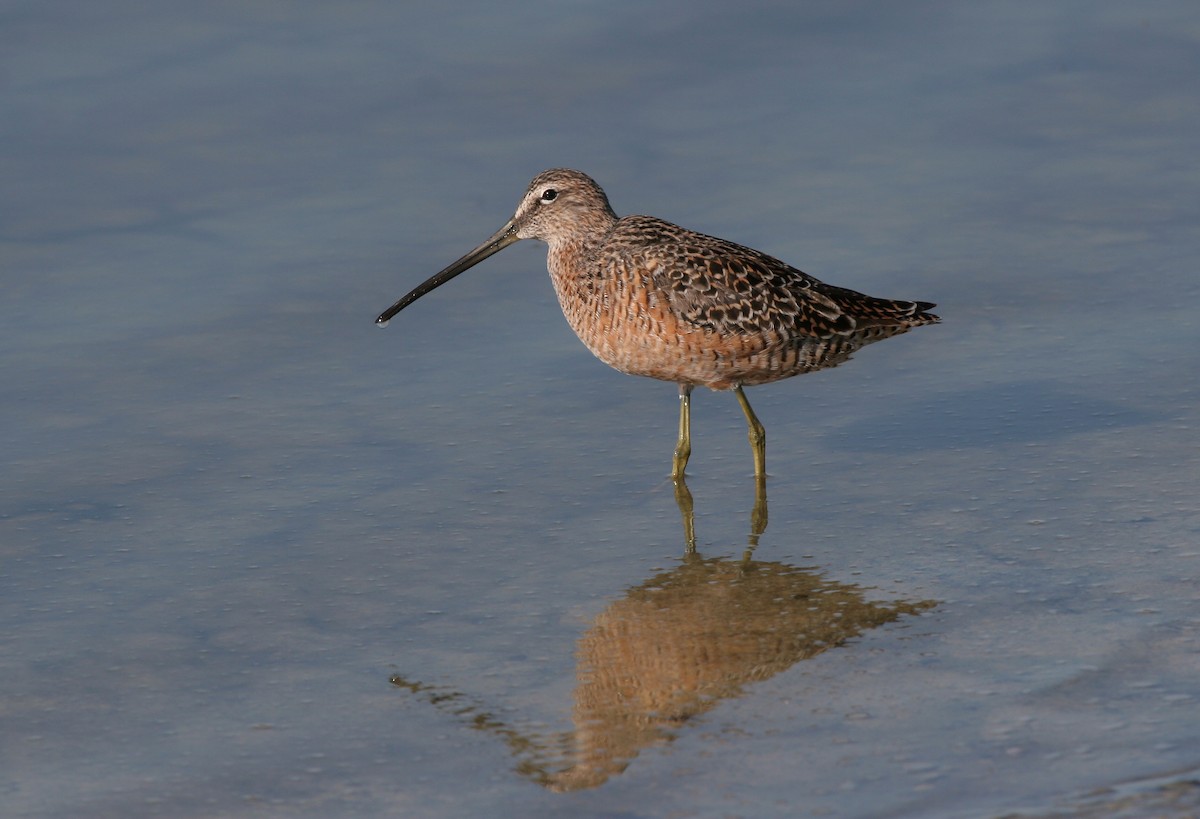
[
  {"x": 758, "y": 517},
  {"x": 757, "y": 435},
  {"x": 758, "y": 442},
  {"x": 683, "y": 447}
]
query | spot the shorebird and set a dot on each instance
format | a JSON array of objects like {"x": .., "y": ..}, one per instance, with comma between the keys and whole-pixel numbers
[{"x": 651, "y": 298}]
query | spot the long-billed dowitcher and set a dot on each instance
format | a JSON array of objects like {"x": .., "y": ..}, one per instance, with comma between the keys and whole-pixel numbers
[{"x": 652, "y": 298}]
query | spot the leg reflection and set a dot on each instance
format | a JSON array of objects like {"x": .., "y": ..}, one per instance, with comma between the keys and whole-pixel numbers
[
  {"x": 758, "y": 516},
  {"x": 683, "y": 498}
]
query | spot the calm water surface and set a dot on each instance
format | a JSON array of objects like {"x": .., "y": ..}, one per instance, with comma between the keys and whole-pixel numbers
[{"x": 258, "y": 558}]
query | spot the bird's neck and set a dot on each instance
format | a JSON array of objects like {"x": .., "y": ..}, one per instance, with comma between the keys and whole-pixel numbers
[
  {"x": 578, "y": 278},
  {"x": 575, "y": 255}
]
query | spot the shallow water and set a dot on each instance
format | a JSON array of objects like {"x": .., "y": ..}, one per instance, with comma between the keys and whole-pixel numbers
[{"x": 260, "y": 558}]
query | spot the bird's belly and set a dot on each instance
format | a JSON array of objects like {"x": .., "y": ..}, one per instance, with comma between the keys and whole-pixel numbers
[{"x": 704, "y": 358}]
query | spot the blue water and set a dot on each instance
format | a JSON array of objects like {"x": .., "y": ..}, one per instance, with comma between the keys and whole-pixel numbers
[{"x": 233, "y": 509}]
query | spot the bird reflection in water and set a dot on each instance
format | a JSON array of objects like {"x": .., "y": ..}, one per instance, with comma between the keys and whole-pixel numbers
[{"x": 670, "y": 650}]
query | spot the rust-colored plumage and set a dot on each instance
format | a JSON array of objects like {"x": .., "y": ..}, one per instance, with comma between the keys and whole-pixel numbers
[{"x": 651, "y": 298}]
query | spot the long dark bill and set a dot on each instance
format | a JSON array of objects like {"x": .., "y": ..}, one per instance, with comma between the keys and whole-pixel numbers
[{"x": 504, "y": 237}]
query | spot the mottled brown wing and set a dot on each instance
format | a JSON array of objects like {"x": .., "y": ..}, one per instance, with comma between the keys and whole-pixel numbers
[
  {"x": 731, "y": 289},
  {"x": 869, "y": 311}
]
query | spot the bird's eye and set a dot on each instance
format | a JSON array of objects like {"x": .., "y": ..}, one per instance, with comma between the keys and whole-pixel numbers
[{"x": 549, "y": 195}]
